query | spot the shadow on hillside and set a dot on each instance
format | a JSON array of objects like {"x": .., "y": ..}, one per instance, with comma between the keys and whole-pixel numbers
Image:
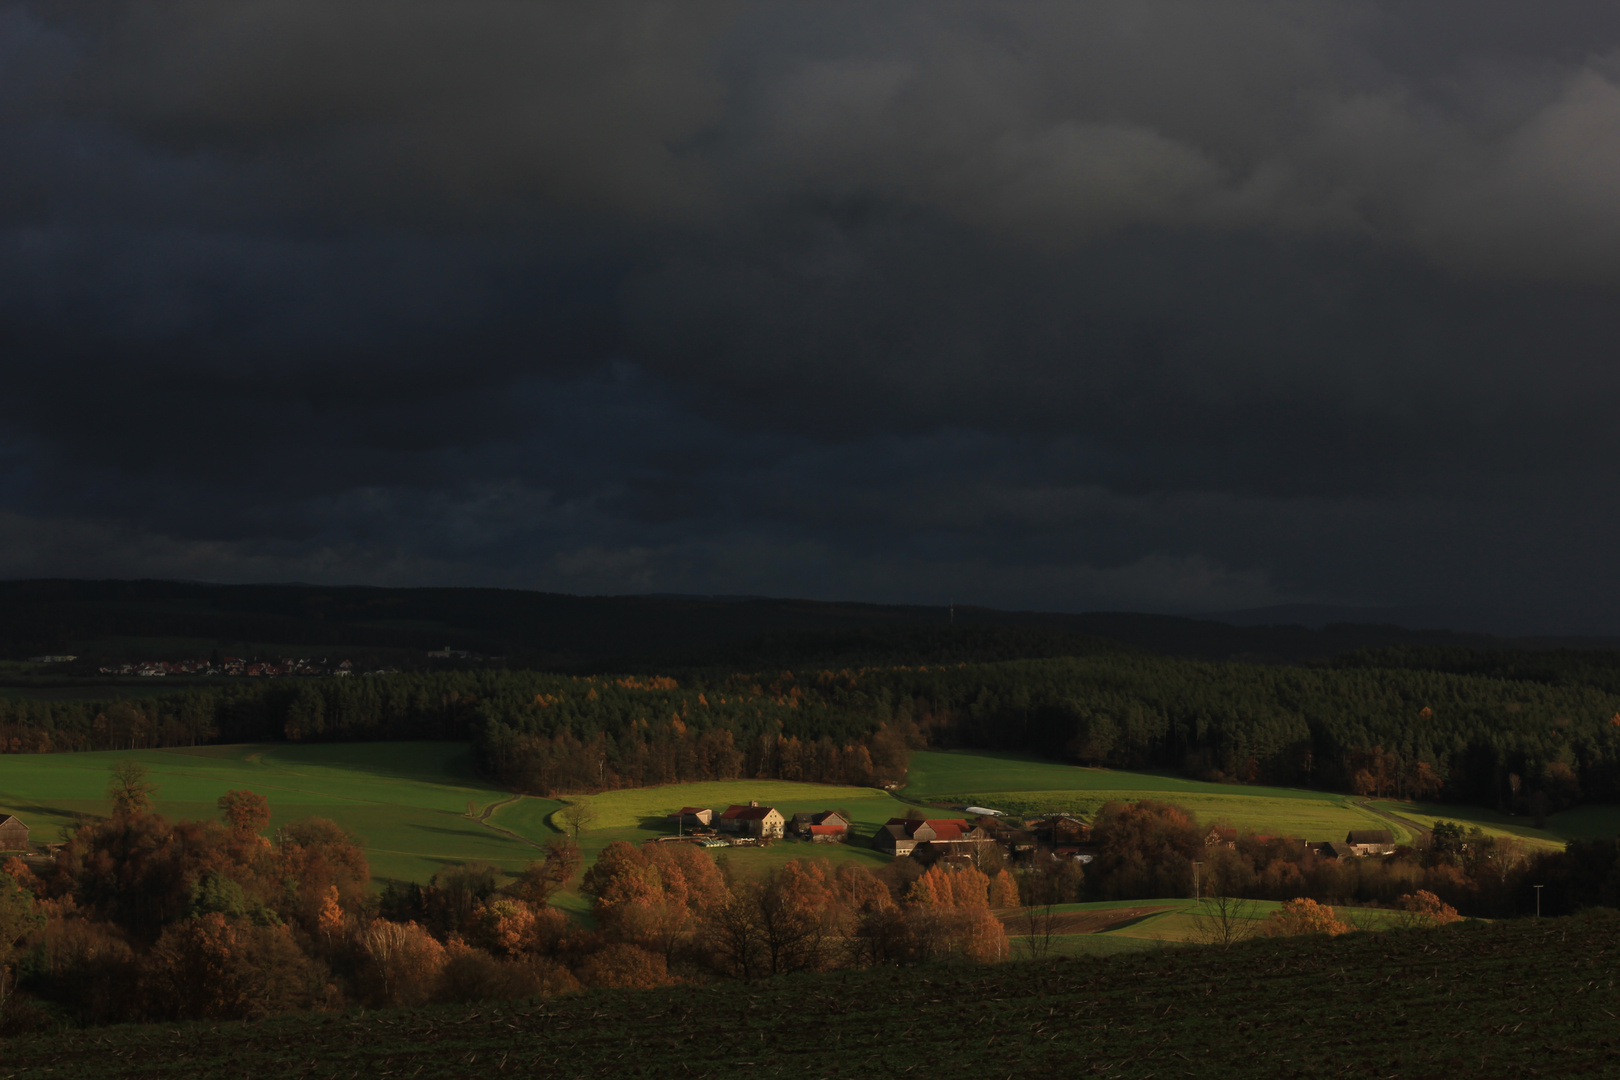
[
  {"x": 23, "y": 809},
  {"x": 447, "y": 831},
  {"x": 656, "y": 822}
]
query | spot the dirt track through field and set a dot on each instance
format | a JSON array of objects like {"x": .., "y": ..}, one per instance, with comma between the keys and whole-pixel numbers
[{"x": 1083, "y": 922}]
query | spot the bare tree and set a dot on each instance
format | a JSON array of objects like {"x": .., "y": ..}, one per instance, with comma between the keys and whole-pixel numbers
[
  {"x": 1039, "y": 923},
  {"x": 1224, "y": 920},
  {"x": 129, "y": 789},
  {"x": 577, "y": 817},
  {"x": 733, "y": 933},
  {"x": 1052, "y": 881}
]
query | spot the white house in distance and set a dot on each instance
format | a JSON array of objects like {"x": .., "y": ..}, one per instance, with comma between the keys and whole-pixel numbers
[{"x": 765, "y": 822}]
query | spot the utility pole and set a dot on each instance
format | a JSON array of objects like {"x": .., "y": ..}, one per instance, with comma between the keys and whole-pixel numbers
[{"x": 1196, "y": 899}]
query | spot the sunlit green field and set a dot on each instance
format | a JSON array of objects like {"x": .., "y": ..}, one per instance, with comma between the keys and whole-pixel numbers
[
  {"x": 1169, "y": 922},
  {"x": 1560, "y": 828},
  {"x": 649, "y": 808},
  {"x": 1018, "y": 784},
  {"x": 406, "y": 801}
]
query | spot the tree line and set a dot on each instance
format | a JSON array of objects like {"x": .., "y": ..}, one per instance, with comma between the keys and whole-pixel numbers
[{"x": 1516, "y": 743}]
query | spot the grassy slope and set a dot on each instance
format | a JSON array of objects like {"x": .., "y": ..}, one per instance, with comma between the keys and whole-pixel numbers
[
  {"x": 1021, "y": 784},
  {"x": 1583, "y": 823},
  {"x": 1172, "y": 921},
  {"x": 407, "y": 801},
  {"x": 1508, "y": 999}
]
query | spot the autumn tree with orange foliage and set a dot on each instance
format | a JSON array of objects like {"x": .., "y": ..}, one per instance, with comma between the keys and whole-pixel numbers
[
  {"x": 402, "y": 963},
  {"x": 246, "y": 813},
  {"x": 1423, "y": 909},
  {"x": 651, "y": 896},
  {"x": 622, "y": 966},
  {"x": 1147, "y": 850},
  {"x": 1004, "y": 890},
  {"x": 213, "y": 968},
  {"x": 949, "y": 916},
  {"x": 316, "y": 856},
  {"x": 1302, "y": 915}
]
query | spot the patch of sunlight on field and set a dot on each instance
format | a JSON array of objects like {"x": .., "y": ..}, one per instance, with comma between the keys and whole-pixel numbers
[
  {"x": 649, "y": 808},
  {"x": 1306, "y": 819},
  {"x": 1128, "y": 925},
  {"x": 406, "y": 801},
  {"x": 1185, "y": 924},
  {"x": 1496, "y": 824},
  {"x": 942, "y": 774},
  {"x": 528, "y": 816}
]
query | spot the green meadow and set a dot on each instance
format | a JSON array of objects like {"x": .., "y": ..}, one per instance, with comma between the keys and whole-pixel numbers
[
  {"x": 1117, "y": 926},
  {"x": 1018, "y": 784},
  {"x": 406, "y": 801},
  {"x": 1585, "y": 823}
]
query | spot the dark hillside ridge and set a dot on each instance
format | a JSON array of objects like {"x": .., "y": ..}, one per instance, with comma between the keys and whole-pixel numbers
[
  {"x": 561, "y": 632},
  {"x": 1520, "y": 998}
]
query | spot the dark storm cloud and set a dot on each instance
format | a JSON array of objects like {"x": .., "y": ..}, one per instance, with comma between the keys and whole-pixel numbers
[{"x": 1137, "y": 304}]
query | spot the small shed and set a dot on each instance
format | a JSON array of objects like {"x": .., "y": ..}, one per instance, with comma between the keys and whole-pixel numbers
[
  {"x": 693, "y": 817},
  {"x": 13, "y": 834}
]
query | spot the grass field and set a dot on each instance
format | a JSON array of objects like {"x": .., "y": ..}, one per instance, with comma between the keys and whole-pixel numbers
[
  {"x": 1560, "y": 828},
  {"x": 407, "y": 801},
  {"x": 1586, "y": 823},
  {"x": 1108, "y": 927},
  {"x": 651, "y": 807},
  {"x": 1503, "y": 1000},
  {"x": 1019, "y": 784}
]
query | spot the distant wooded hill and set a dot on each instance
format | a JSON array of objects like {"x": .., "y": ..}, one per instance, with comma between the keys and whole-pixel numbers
[{"x": 120, "y": 619}]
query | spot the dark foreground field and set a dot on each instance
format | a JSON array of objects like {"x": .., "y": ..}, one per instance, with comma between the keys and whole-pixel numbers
[
  {"x": 1521, "y": 999},
  {"x": 1468, "y": 1001}
]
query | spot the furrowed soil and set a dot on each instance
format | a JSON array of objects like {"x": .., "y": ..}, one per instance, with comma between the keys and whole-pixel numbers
[{"x": 1473, "y": 1000}]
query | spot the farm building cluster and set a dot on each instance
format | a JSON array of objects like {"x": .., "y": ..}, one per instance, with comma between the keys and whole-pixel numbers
[
  {"x": 1066, "y": 836},
  {"x": 1357, "y": 844},
  {"x": 755, "y": 824}
]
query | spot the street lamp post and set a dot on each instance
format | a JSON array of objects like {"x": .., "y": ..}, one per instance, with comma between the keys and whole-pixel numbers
[{"x": 1538, "y": 901}]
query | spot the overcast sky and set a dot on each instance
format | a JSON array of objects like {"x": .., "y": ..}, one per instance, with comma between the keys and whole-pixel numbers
[{"x": 1168, "y": 306}]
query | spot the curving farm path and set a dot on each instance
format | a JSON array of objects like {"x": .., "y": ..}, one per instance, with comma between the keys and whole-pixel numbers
[{"x": 1420, "y": 832}]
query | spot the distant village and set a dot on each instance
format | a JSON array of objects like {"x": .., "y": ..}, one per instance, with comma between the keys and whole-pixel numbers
[{"x": 237, "y": 666}]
